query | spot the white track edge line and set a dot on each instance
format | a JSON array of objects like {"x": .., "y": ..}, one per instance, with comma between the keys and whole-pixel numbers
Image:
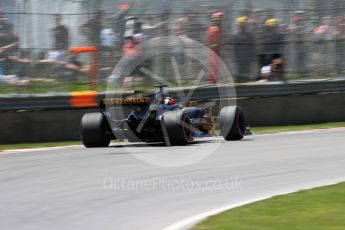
[
  {"x": 4, "y": 152},
  {"x": 300, "y": 132}
]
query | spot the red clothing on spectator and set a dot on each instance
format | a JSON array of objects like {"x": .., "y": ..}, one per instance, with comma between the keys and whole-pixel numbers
[
  {"x": 127, "y": 47},
  {"x": 130, "y": 45},
  {"x": 214, "y": 38}
]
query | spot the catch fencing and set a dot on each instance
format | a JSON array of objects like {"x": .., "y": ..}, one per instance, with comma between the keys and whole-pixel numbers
[{"x": 311, "y": 37}]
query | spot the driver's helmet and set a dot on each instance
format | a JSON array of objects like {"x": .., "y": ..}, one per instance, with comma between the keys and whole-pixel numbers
[{"x": 168, "y": 101}]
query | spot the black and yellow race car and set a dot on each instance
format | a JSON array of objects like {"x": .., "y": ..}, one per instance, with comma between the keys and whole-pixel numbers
[{"x": 157, "y": 118}]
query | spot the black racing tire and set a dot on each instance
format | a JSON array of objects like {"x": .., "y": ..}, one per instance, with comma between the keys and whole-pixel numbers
[
  {"x": 232, "y": 123},
  {"x": 178, "y": 127},
  {"x": 93, "y": 131}
]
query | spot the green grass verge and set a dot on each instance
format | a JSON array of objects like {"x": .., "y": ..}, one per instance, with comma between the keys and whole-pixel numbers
[
  {"x": 38, "y": 145},
  {"x": 317, "y": 209},
  {"x": 289, "y": 128}
]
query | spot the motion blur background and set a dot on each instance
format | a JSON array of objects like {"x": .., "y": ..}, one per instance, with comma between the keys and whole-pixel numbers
[
  {"x": 307, "y": 38},
  {"x": 286, "y": 56}
]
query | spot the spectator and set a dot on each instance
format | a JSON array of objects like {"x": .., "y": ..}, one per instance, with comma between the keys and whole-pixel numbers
[
  {"x": 108, "y": 41},
  {"x": 133, "y": 38},
  {"x": 194, "y": 27},
  {"x": 271, "y": 42},
  {"x": 6, "y": 31},
  {"x": 339, "y": 35},
  {"x": 272, "y": 72},
  {"x": 215, "y": 40},
  {"x": 76, "y": 67},
  {"x": 62, "y": 70},
  {"x": 255, "y": 27},
  {"x": 323, "y": 37},
  {"x": 244, "y": 50},
  {"x": 153, "y": 26},
  {"x": 194, "y": 33},
  {"x": 267, "y": 15},
  {"x": 298, "y": 33},
  {"x": 92, "y": 29},
  {"x": 179, "y": 30},
  {"x": 179, "y": 26},
  {"x": 60, "y": 35},
  {"x": 2, "y": 65},
  {"x": 6, "y": 64},
  {"x": 13, "y": 69},
  {"x": 254, "y": 24}
]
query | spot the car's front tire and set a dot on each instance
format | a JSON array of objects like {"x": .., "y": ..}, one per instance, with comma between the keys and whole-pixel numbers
[
  {"x": 232, "y": 123},
  {"x": 93, "y": 131}
]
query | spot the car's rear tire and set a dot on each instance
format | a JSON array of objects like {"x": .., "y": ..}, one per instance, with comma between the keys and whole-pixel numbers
[
  {"x": 178, "y": 127},
  {"x": 93, "y": 131},
  {"x": 232, "y": 123}
]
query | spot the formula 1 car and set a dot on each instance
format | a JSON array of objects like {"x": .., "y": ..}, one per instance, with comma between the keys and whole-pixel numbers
[{"x": 156, "y": 118}]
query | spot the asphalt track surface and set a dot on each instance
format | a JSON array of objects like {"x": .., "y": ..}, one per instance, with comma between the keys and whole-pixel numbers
[{"x": 64, "y": 188}]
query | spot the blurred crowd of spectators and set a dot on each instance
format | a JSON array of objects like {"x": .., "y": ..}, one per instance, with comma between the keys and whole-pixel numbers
[{"x": 257, "y": 46}]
